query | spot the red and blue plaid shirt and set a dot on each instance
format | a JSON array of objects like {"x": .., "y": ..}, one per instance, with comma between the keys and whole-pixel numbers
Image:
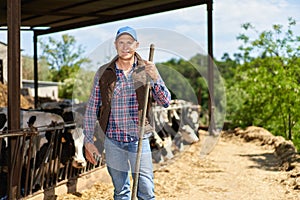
[{"x": 123, "y": 120}]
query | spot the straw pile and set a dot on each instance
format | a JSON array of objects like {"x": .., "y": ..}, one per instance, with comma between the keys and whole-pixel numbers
[{"x": 26, "y": 103}]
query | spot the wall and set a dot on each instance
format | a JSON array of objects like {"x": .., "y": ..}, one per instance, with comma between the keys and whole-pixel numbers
[{"x": 45, "y": 88}]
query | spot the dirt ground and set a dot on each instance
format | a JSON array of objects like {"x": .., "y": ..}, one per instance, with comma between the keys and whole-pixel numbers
[{"x": 233, "y": 170}]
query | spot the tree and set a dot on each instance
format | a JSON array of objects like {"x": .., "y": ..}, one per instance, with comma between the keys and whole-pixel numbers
[
  {"x": 182, "y": 78},
  {"x": 64, "y": 59},
  {"x": 27, "y": 69},
  {"x": 265, "y": 88},
  {"x": 83, "y": 85},
  {"x": 188, "y": 80}
]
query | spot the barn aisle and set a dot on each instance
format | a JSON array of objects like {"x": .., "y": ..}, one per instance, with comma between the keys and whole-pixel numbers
[{"x": 234, "y": 170}]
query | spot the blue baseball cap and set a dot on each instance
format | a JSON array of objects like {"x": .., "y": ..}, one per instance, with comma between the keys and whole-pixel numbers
[{"x": 127, "y": 30}]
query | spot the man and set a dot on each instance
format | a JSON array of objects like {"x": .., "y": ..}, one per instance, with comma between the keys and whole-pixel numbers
[{"x": 116, "y": 101}]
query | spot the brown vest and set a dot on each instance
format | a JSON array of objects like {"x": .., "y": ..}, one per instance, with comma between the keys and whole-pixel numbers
[{"x": 107, "y": 83}]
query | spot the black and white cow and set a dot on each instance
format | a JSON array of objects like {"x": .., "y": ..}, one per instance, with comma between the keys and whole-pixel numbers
[
  {"x": 71, "y": 138},
  {"x": 175, "y": 126},
  {"x": 71, "y": 114},
  {"x": 54, "y": 146},
  {"x": 185, "y": 120},
  {"x": 161, "y": 140},
  {"x": 74, "y": 114},
  {"x": 3, "y": 158}
]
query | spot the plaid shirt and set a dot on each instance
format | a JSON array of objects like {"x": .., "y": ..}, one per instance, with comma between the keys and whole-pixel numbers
[{"x": 123, "y": 120}]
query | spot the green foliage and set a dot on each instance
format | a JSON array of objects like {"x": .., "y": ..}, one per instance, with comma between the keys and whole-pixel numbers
[
  {"x": 265, "y": 88},
  {"x": 227, "y": 66},
  {"x": 27, "y": 69},
  {"x": 64, "y": 59},
  {"x": 183, "y": 79},
  {"x": 83, "y": 85},
  {"x": 188, "y": 80}
]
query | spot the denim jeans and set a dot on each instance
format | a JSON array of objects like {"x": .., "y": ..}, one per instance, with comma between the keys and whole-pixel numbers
[{"x": 120, "y": 159}]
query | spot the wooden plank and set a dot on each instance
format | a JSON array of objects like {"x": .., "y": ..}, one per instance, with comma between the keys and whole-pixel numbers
[{"x": 14, "y": 23}]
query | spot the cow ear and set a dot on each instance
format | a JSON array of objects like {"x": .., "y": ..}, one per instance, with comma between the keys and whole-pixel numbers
[
  {"x": 3, "y": 120},
  {"x": 31, "y": 120}
]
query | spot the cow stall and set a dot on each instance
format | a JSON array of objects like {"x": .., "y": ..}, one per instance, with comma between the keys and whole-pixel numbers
[
  {"x": 45, "y": 155},
  {"x": 51, "y": 145}
]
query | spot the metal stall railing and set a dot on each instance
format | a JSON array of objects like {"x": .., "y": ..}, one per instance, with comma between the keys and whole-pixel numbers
[{"x": 46, "y": 160}]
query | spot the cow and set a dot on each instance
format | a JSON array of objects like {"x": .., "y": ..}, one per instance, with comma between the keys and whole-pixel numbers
[
  {"x": 48, "y": 145},
  {"x": 71, "y": 114},
  {"x": 73, "y": 117},
  {"x": 161, "y": 140},
  {"x": 174, "y": 126},
  {"x": 185, "y": 120},
  {"x": 3, "y": 158},
  {"x": 3, "y": 144}
]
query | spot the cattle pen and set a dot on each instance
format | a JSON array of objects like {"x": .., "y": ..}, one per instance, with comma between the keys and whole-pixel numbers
[
  {"x": 42, "y": 161},
  {"x": 35, "y": 17},
  {"x": 44, "y": 155}
]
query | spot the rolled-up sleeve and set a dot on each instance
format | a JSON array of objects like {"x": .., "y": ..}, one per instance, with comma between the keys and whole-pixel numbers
[
  {"x": 160, "y": 92},
  {"x": 92, "y": 107}
]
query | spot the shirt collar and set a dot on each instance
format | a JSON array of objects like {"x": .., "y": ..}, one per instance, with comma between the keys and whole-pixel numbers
[{"x": 133, "y": 66}]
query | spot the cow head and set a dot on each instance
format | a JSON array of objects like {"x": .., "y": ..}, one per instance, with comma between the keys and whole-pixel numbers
[{"x": 78, "y": 158}]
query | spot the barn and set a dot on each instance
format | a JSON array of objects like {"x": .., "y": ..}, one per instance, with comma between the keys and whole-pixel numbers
[
  {"x": 3, "y": 63},
  {"x": 59, "y": 15},
  {"x": 46, "y": 89}
]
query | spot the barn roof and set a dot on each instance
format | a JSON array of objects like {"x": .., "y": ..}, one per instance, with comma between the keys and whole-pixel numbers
[
  {"x": 49, "y": 16},
  {"x": 59, "y": 15}
]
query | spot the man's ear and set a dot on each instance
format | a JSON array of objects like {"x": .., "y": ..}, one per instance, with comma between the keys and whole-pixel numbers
[{"x": 137, "y": 45}]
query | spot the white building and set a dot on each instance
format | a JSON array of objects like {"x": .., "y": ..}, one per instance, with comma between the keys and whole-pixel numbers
[
  {"x": 3, "y": 64},
  {"x": 45, "y": 88}
]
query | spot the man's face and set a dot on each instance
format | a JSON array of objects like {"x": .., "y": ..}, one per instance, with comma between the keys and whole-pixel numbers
[{"x": 126, "y": 46}]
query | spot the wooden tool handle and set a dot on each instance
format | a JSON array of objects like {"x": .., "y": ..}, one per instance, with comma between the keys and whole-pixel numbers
[{"x": 151, "y": 52}]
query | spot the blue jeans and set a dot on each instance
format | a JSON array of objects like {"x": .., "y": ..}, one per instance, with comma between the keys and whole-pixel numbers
[{"x": 120, "y": 158}]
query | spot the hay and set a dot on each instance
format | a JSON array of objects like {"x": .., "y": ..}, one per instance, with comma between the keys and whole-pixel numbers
[{"x": 26, "y": 102}]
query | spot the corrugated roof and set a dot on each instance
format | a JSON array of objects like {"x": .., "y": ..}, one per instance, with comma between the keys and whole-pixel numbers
[{"x": 58, "y": 15}]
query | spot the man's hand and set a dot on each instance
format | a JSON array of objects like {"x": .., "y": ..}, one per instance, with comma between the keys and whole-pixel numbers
[
  {"x": 91, "y": 152},
  {"x": 151, "y": 70}
]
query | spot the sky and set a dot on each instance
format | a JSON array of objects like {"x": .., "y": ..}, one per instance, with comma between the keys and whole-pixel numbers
[{"x": 181, "y": 33}]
